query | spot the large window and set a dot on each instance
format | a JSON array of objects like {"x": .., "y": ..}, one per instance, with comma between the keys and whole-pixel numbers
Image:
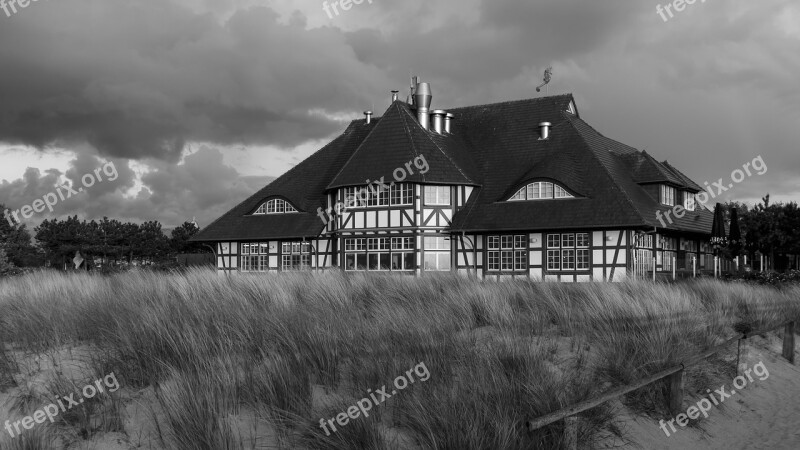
[
  {"x": 276, "y": 206},
  {"x": 507, "y": 253},
  {"x": 379, "y": 254},
  {"x": 254, "y": 257},
  {"x": 667, "y": 195},
  {"x": 568, "y": 251},
  {"x": 541, "y": 190},
  {"x": 295, "y": 256},
  {"x": 437, "y": 195},
  {"x": 437, "y": 253},
  {"x": 400, "y": 194},
  {"x": 689, "y": 201}
]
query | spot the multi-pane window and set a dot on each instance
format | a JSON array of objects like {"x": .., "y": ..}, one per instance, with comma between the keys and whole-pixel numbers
[
  {"x": 568, "y": 251},
  {"x": 507, "y": 253},
  {"x": 295, "y": 256},
  {"x": 276, "y": 206},
  {"x": 254, "y": 257},
  {"x": 437, "y": 253},
  {"x": 437, "y": 195},
  {"x": 689, "y": 201},
  {"x": 541, "y": 190},
  {"x": 379, "y": 254},
  {"x": 403, "y": 194},
  {"x": 667, "y": 195},
  {"x": 377, "y": 195},
  {"x": 668, "y": 252}
]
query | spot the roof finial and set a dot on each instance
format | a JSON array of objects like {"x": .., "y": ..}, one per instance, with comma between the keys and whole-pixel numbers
[{"x": 547, "y": 74}]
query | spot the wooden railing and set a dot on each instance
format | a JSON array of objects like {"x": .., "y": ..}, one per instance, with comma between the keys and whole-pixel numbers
[{"x": 672, "y": 376}]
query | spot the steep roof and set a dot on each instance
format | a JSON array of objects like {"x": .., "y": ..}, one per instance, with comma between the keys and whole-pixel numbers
[
  {"x": 398, "y": 139},
  {"x": 304, "y": 186},
  {"x": 495, "y": 148}
]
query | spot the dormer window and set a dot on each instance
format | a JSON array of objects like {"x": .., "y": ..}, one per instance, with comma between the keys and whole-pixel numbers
[
  {"x": 541, "y": 190},
  {"x": 689, "y": 201},
  {"x": 667, "y": 195},
  {"x": 275, "y": 206},
  {"x": 571, "y": 108}
]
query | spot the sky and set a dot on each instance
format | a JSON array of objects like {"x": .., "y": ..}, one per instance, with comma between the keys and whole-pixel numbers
[{"x": 197, "y": 104}]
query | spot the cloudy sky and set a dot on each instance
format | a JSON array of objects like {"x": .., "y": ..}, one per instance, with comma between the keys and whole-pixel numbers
[{"x": 198, "y": 103}]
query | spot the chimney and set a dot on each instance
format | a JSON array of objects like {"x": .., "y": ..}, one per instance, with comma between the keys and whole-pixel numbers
[
  {"x": 394, "y": 96},
  {"x": 411, "y": 100},
  {"x": 544, "y": 131},
  {"x": 422, "y": 100},
  {"x": 438, "y": 116},
  {"x": 368, "y": 114},
  {"x": 448, "y": 122}
]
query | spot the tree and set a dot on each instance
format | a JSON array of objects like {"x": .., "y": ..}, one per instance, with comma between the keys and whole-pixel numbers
[
  {"x": 179, "y": 241},
  {"x": 17, "y": 242}
]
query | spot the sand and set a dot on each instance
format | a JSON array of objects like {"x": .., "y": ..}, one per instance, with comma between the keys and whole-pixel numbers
[{"x": 764, "y": 415}]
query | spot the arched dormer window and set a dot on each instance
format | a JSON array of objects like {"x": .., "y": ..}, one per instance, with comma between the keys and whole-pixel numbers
[
  {"x": 275, "y": 206},
  {"x": 541, "y": 190}
]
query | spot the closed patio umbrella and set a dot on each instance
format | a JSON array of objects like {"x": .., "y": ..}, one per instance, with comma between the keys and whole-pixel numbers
[
  {"x": 735, "y": 236},
  {"x": 718, "y": 237}
]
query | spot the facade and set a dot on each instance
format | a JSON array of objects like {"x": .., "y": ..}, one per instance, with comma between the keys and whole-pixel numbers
[{"x": 520, "y": 189}]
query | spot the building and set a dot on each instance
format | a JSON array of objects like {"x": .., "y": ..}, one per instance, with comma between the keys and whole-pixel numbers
[{"x": 515, "y": 189}]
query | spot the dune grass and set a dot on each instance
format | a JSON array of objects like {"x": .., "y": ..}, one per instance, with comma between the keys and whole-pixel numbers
[{"x": 289, "y": 350}]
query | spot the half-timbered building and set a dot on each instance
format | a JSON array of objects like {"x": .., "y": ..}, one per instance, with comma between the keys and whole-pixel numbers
[{"x": 515, "y": 189}]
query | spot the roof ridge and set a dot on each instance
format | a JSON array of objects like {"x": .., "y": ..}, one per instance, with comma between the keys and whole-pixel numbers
[{"x": 508, "y": 102}]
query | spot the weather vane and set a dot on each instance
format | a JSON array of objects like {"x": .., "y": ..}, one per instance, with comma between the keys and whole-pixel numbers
[{"x": 548, "y": 73}]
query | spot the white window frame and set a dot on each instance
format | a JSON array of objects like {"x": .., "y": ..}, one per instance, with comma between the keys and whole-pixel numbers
[
  {"x": 437, "y": 196},
  {"x": 541, "y": 190},
  {"x": 667, "y": 195},
  {"x": 568, "y": 252},
  {"x": 437, "y": 247},
  {"x": 689, "y": 201},
  {"x": 275, "y": 206},
  {"x": 507, "y": 253}
]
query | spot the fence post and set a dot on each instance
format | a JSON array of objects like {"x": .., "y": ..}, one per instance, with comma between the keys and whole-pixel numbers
[
  {"x": 788, "y": 342},
  {"x": 675, "y": 392},
  {"x": 571, "y": 433}
]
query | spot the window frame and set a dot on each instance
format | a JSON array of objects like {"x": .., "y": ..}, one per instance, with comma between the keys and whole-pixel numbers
[
  {"x": 568, "y": 252},
  {"x": 275, "y": 206},
  {"x": 541, "y": 190},
  {"x": 439, "y": 191},
  {"x": 507, "y": 253},
  {"x": 667, "y": 195}
]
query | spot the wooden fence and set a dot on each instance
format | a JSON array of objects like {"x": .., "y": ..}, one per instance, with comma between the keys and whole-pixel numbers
[{"x": 672, "y": 376}]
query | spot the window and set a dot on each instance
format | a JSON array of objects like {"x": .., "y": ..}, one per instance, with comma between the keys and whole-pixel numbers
[
  {"x": 541, "y": 190},
  {"x": 254, "y": 257},
  {"x": 275, "y": 206},
  {"x": 403, "y": 194},
  {"x": 688, "y": 201},
  {"x": 379, "y": 254},
  {"x": 568, "y": 251},
  {"x": 295, "y": 256},
  {"x": 667, "y": 195},
  {"x": 437, "y": 253},
  {"x": 437, "y": 195},
  {"x": 507, "y": 253}
]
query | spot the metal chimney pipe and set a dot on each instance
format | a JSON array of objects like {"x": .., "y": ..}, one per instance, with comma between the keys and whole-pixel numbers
[
  {"x": 438, "y": 116},
  {"x": 368, "y": 114},
  {"x": 422, "y": 100},
  {"x": 448, "y": 122},
  {"x": 544, "y": 130},
  {"x": 394, "y": 96}
]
